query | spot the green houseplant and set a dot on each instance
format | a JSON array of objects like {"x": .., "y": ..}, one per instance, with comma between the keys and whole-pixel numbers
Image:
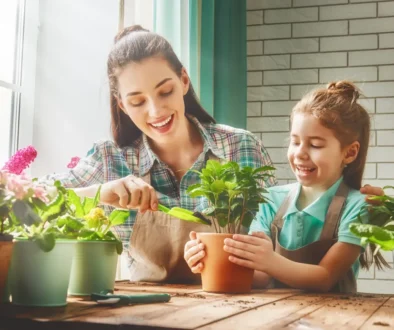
[
  {"x": 97, "y": 249},
  {"x": 233, "y": 195},
  {"x": 378, "y": 233},
  {"x": 42, "y": 255}
]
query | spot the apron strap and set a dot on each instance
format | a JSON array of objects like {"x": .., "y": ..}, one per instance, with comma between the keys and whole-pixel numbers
[
  {"x": 278, "y": 220},
  {"x": 331, "y": 223}
]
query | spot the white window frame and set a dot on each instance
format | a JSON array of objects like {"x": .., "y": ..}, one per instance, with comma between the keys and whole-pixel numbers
[
  {"x": 24, "y": 136},
  {"x": 24, "y": 85}
]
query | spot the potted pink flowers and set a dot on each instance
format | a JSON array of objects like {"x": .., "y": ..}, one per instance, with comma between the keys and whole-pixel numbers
[{"x": 14, "y": 186}]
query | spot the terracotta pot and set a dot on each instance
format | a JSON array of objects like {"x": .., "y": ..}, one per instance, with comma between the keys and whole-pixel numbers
[
  {"x": 5, "y": 260},
  {"x": 219, "y": 274}
]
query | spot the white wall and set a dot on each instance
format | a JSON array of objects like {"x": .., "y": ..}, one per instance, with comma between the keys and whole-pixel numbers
[
  {"x": 296, "y": 45},
  {"x": 71, "y": 95}
]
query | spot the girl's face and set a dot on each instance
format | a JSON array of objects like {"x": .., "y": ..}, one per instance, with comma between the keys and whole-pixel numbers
[
  {"x": 151, "y": 94},
  {"x": 315, "y": 154}
]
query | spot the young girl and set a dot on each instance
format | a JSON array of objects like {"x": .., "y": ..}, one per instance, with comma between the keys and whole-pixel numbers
[{"x": 301, "y": 237}]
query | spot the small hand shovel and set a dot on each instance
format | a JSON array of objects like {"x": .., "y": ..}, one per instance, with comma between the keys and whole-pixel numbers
[
  {"x": 186, "y": 215},
  {"x": 109, "y": 299}
]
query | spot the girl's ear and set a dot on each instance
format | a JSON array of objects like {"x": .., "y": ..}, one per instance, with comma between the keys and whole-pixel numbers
[
  {"x": 185, "y": 81},
  {"x": 351, "y": 152}
]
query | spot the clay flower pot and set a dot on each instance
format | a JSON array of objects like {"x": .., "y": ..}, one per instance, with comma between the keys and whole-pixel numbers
[
  {"x": 219, "y": 274},
  {"x": 5, "y": 261}
]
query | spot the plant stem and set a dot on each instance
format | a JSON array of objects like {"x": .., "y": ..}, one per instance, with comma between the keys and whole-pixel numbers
[
  {"x": 242, "y": 214},
  {"x": 216, "y": 216}
]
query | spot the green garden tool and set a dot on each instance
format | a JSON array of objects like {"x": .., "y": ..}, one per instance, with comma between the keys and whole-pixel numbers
[{"x": 186, "y": 215}]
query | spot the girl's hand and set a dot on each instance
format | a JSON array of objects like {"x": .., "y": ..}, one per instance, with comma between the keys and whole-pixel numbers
[
  {"x": 194, "y": 252},
  {"x": 371, "y": 191},
  {"x": 129, "y": 193},
  {"x": 253, "y": 251}
]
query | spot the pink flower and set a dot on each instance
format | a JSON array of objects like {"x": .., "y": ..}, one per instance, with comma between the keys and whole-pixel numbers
[
  {"x": 74, "y": 161},
  {"x": 21, "y": 160}
]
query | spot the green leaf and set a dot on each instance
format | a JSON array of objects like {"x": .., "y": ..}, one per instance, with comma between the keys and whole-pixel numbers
[
  {"x": 118, "y": 217},
  {"x": 46, "y": 241},
  {"x": 374, "y": 234},
  {"x": 247, "y": 220},
  {"x": 75, "y": 200},
  {"x": 218, "y": 186},
  {"x": 25, "y": 214},
  {"x": 69, "y": 222},
  {"x": 214, "y": 166},
  {"x": 54, "y": 208}
]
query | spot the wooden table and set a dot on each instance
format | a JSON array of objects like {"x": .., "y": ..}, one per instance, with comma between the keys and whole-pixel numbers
[{"x": 191, "y": 308}]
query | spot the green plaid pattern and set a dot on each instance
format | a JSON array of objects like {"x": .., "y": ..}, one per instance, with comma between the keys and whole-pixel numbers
[{"x": 106, "y": 162}]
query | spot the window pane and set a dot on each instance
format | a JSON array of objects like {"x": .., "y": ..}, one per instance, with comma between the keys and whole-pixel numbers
[
  {"x": 5, "y": 123},
  {"x": 8, "y": 38}
]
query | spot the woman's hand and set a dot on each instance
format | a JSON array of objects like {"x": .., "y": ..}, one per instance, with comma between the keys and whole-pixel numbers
[
  {"x": 194, "y": 252},
  {"x": 129, "y": 193},
  {"x": 371, "y": 191},
  {"x": 253, "y": 251}
]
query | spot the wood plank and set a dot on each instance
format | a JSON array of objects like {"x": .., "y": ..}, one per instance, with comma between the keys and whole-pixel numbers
[
  {"x": 185, "y": 313},
  {"x": 342, "y": 312},
  {"x": 267, "y": 315},
  {"x": 156, "y": 287},
  {"x": 382, "y": 318}
]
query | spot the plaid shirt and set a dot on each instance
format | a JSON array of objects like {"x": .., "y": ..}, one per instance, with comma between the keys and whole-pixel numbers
[{"x": 106, "y": 162}]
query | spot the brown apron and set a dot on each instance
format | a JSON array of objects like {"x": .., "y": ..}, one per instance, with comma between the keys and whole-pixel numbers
[
  {"x": 314, "y": 252},
  {"x": 157, "y": 246}
]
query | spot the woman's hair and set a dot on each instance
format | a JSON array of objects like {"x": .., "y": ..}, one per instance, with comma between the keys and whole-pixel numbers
[
  {"x": 337, "y": 109},
  {"x": 132, "y": 45}
]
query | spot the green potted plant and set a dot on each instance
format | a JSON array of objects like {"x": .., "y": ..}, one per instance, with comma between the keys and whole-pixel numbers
[
  {"x": 97, "y": 249},
  {"x": 42, "y": 255},
  {"x": 234, "y": 195},
  {"x": 378, "y": 233}
]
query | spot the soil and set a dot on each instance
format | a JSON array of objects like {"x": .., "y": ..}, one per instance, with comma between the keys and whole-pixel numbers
[
  {"x": 383, "y": 324},
  {"x": 189, "y": 295}
]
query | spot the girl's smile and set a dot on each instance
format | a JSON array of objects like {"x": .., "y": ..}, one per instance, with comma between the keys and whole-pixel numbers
[{"x": 315, "y": 154}]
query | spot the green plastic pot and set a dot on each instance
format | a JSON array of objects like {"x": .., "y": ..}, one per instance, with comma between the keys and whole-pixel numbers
[
  {"x": 39, "y": 278},
  {"x": 93, "y": 268}
]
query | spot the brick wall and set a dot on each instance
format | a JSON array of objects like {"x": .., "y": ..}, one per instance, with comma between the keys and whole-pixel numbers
[{"x": 296, "y": 45}]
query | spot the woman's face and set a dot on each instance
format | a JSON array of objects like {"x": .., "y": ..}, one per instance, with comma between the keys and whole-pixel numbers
[{"x": 151, "y": 94}]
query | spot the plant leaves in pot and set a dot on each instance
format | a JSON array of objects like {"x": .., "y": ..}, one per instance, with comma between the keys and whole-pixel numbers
[
  {"x": 233, "y": 195},
  {"x": 97, "y": 249}
]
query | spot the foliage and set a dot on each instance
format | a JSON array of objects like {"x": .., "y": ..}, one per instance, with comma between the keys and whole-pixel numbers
[
  {"x": 63, "y": 216},
  {"x": 84, "y": 220},
  {"x": 380, "y": 229},
  {"x": 233, "y": 193}
]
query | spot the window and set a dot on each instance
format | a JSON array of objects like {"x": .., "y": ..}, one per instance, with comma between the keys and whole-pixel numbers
[
  {"x": 11, "y": 40},
  {"x": 18, "y": 43}
]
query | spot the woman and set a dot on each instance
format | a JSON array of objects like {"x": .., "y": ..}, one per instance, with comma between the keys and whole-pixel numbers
[{"x": 160, "y": 135}]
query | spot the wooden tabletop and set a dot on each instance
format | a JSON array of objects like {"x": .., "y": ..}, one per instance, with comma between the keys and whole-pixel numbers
[{"x": 191, "y": 308}]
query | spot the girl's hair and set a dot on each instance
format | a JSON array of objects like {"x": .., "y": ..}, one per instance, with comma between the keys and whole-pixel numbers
[
  {"x": 337, "y": 109},
  {"x": 132, "y": 45}
]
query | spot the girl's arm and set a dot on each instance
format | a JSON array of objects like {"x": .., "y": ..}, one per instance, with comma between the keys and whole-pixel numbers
[
  {"x": 261, "y": 280},
  {"x": 256, "y": 251},
  {"x": 334, "y": 265}
]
